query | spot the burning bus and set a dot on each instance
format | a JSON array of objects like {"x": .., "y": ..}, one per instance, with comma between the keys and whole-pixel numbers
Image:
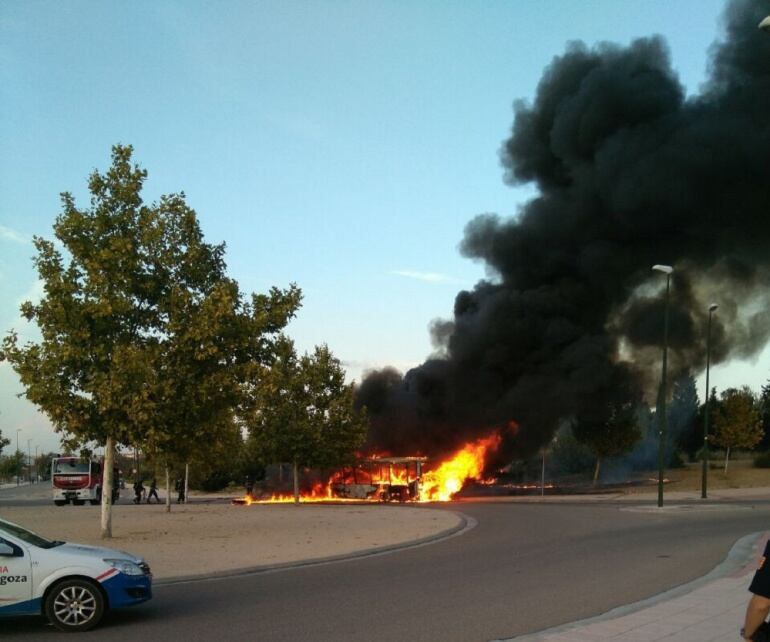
[
  {"x": 382, "y": 478},
  {"x": 398, "y": 479}
]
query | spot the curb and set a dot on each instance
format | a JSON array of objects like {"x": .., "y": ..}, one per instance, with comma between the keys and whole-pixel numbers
[
  {"x": 466, "y": 524},
  {"x": 741, "y": 553}
]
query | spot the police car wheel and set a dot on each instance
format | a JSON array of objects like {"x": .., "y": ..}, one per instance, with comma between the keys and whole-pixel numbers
[{"x": 74, "y": 605}]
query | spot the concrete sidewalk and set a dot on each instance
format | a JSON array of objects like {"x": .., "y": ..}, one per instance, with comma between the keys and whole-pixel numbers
[
  {"x": 11, "y": 485},
  {"x": 710, "y": 609}
]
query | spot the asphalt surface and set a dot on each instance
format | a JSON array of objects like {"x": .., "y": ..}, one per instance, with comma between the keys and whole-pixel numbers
[
  {"x": 523, "y": 568},
  {"x": 40, "y": 494}
]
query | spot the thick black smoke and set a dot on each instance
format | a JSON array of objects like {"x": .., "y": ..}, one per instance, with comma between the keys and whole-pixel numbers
[{"x": 630, "y": 173}]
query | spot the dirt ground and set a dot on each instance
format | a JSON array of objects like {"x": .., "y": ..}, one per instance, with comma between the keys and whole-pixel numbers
[
  {"x": 740, "y": 474},
  {"x": 205, "y": 538}
]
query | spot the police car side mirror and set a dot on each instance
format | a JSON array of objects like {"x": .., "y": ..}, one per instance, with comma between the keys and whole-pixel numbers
[{"x": 6, "y": 550}]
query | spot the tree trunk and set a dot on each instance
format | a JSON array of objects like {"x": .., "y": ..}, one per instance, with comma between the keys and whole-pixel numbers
[
  {"x": 296, "y": 483},
  {"x": 168, "y": 491},
  {"x": 727, "y": 458},
  {"x": 596, "y": 470},
  {"x": 107, "y": 482},
  {"x": 186, "y": 478}
]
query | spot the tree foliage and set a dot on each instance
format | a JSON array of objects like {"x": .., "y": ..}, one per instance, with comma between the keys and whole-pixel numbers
[
  {"x": 568, "y": 455},
  {"x": 12, "y": 465},
  {"x": 302, "y": 412},
  {"x": 737, "y": 422},
  {"x": 682, "y": 410},
  {"x": 145, "y": 340},
  {"x": 43, "y": 463},
  {"x": 4, "y": 441},
  {"x": 764, "y": 411},
  {"x": 613, "y": 435}
]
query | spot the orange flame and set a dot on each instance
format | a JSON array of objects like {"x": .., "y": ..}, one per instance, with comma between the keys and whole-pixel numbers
[
  {"x": 438, "y": 485},
  {"x": 468, "y": 463}
]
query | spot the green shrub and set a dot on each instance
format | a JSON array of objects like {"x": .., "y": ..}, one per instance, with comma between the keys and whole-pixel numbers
[
  {"x": 568, "y": 456},
  {"x": 676, "y": 460}
]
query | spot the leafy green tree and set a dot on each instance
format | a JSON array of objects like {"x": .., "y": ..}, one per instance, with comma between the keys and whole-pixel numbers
[
  {"x": 568, "y": 455},
  {"x": 682, "y": 412},
  {"x": 764, "y": 411},
  {"x": 145, "y": 341},
  {"x": 694, "y": 444},
  {"x": 737, "y": 421},
  {"x": 303, "y": 412},
  {"x": 213, "y": 464},
  {"x": 43, "y": 464},
  {"x": 11, "y": 465},
  {"x": 612, "y": 435},
  {"x": 4, "y": 441}
]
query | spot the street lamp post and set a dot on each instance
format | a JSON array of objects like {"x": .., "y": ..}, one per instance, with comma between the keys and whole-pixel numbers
[
  {"x": 29, "y": 460},
  {"x": 704, "y": 481},
  {"x": 18, "y": 472},
  {"x": 662, "y": 419},
  {"x": 542, "y": 472}
]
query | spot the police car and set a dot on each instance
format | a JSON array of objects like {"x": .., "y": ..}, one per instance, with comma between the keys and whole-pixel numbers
[{"x": 72, "y": 585}]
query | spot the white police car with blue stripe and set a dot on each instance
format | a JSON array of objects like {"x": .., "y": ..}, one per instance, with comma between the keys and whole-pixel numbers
[{"x": 71, "y": 584}]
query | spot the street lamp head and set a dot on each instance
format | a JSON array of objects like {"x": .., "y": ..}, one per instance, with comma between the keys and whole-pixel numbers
[
  {"x": 713, "y": 307},
  {"x": 666, "y": 269},
  {"x": 765, "y": 25}
]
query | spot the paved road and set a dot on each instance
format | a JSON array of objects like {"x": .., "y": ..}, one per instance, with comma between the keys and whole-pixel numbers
[
  {"x": 25, "y": 494},
  {"x": 525, "y": 567},
  {"x": 41, "y": 495}
]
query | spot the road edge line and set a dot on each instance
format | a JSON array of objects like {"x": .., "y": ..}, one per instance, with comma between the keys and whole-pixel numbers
[
  {"x": 465, "y": 524},
  {"x": 738, "y": 556}
]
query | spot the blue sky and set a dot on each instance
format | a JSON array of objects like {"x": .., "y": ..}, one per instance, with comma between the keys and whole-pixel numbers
[{"x": 339, "y": 145}]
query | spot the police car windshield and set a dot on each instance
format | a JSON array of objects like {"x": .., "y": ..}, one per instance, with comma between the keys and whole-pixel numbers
[{"x": 27, "y": 536}]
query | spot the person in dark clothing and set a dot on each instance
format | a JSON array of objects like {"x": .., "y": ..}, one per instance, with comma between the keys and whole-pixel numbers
[
  {"x": 179, "y": 486},
  {"x": 249, "y": 483},
  {"x": 138, "y": 490},
  {"x": 754, "y": 627},
  {"x": 153, "y": 492}
]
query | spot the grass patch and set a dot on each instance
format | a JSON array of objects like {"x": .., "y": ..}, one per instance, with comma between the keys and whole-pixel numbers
[{"x": 740, "y": 474}]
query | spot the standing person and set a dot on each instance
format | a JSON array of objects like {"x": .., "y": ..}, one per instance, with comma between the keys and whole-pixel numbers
[
  {"x": 754, "y": 627},
  {"x": 153, "y": 492},
  {"x": 249, "y": 486},
  {"x": 179, "y": 486},
  {"x": 138, "y": 490}
]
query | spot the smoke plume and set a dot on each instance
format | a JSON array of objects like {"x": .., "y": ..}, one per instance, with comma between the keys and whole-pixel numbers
[{"x": 630, "y": 172}]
